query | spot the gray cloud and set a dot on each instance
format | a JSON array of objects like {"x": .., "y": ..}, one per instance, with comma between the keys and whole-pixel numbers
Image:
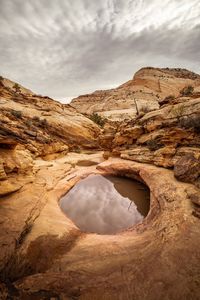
[{"x": 65, "y": 48}]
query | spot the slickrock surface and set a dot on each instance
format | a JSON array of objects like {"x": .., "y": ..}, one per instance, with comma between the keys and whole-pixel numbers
[
  {"x": 42, "y": 125},
  {"x": 45, "y": 255},
  {"x": 148, "y": 88},
  {"x": 32, "y": 126},
  {"x": 47, "y": 147},
  {"x": 163, "y": 136}
]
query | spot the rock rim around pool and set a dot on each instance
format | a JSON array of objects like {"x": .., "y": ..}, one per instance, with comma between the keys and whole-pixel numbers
[
  {"x": 95, "y": 205},
  {"x": 57, "y": 258}
]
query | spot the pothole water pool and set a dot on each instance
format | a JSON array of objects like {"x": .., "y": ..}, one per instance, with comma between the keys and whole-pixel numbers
[{"x": 106, "y": 204}]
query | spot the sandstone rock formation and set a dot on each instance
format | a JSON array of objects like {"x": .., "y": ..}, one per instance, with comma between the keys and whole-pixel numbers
[
  {"x": 32, "y": 126},
  {"x": 16, "y": 167},
  {"x": 187, "y": 168},
  {"x": 46, "y": 256},
  {"x": 41, "y": 124},
  {"x": 163, "y": 136},
  {"x": 166, "y": 134},
  {"x": 148, "y": 88},
  {"x": 47, "y": 147}
]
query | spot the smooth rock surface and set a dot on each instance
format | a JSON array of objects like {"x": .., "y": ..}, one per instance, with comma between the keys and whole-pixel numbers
[
  {"x": 43, "y": 125},
  {"x": 147, "y": 89},
  {"x": 54, "y": 259},
  {"x": 47, "y": 147}
]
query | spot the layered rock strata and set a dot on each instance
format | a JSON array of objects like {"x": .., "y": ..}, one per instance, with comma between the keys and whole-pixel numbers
[
  {"x": 147, "y": 90},
  {"x": 46, "y": 256},
  {"x": 43, "y": 255},
  {"x": 42, "y": 125}
]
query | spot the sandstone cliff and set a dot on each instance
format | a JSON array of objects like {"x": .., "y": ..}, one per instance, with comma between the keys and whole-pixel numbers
[
  {"x": 41, "y": 124},
  {"x": 148, "y": 88},
  {"x": 32, "y": 126},
  {"x": 160, "y": 134},
  {"x": 164, "y": 136}
]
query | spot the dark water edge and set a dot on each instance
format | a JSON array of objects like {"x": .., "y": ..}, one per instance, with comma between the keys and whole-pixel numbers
[
  {"x": 106, "y": 204},
  {"x": 134, "y": 190}
]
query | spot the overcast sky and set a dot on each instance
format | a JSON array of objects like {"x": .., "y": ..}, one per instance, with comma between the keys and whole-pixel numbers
[{"x": 64, "y": 48}]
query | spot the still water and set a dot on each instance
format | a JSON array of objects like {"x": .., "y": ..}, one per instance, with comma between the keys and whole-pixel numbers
[{"x": 106, "y": 204}]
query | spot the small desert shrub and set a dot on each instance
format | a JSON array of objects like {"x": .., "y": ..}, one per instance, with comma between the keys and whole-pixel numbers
[
  {"x": 43, "y": 123},
  {"x": 144, "y": 109},
  {"x": 97, "y": 119},
  {"x": 192, "y": 122},
  {"x": 28, "y": 123},
  {"x": 153, "y": 145},
  {"x": 178, "y": 111},
  {"x": 187, "y": 90},
  {"x": 17, "y": 88},
  {"x": 16, "y": 113}
]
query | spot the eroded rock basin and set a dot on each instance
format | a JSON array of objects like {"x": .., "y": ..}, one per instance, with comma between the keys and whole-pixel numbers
[
  {"x": 106, "y": 204},
  {"x": 157, "y": 258}
]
